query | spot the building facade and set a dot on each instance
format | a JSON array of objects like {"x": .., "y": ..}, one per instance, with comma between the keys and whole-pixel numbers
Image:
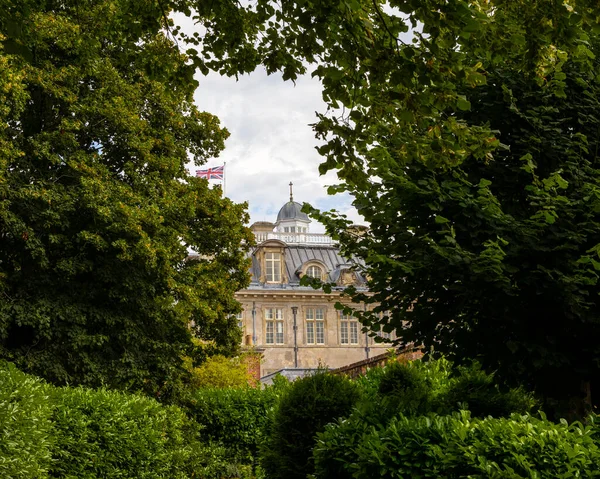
[{"x": 297, "y": 326}]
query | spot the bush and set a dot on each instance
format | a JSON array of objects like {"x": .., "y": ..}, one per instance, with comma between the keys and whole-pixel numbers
[
  {"x": 215, "y": 462},
  {"x": 25, "y": 426},
  {"x": 403, "y": 387},
  {"x": 234, "y": 419},
  {"x": 303, "y": 410},
  {"x": 456, "y": 446},
  {"x": 111, "y": 434},
  {"x": 413, "y": 389},
  {"x": 219, "y": 372},
  {"x": 477, "y": 391},
  {"x": 82, "y": 433},
  {"x": 419, "y": 387}
]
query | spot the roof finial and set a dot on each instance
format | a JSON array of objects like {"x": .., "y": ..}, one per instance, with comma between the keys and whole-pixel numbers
[{"x": 291, "y": 194}]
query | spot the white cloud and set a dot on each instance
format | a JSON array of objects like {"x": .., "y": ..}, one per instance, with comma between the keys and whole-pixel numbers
[{"x": 271, "y": 142}]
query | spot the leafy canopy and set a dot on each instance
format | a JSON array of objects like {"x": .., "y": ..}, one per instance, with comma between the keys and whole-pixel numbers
[
  {"x": 474, "y": 159},
  {"x": 97, "y": 211}
]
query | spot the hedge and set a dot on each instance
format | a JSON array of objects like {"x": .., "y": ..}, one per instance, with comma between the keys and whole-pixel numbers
[
  {"x": 25, "y": 426},
  {"x": 419, "y": 388},
  {"x": 233, "y": 418},
  {"x": 100, "y": 433},
  {"x": 456, "y": 446},
  {"x": 49, "y": 432}
]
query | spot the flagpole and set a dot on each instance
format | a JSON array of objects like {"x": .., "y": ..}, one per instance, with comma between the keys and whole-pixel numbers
[{"x": 224, "y": 178}]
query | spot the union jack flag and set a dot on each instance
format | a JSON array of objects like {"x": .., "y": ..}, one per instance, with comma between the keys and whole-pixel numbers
[{"x": 215, "y": 173}]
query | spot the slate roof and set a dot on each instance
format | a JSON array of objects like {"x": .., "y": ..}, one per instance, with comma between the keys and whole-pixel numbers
[{"x": 295, "y": 257}]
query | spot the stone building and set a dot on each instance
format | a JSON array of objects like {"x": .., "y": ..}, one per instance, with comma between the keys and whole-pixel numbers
[{"x": 297, "y": 326}]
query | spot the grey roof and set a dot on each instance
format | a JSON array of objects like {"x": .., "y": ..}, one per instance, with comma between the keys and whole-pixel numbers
[
  {"x": 289, "y": 373},
  {"x": 291, "y": 211},
  {"x": 296, "y": 256}
]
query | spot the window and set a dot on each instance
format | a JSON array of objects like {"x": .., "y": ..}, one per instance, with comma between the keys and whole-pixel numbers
[
  {"x": 286, "y": 229},
  {"x": 274, "y": 326},
  {"x": 381, "y": 333},
  {"x": 313, "y": 272},
  {"x": 240, "y": 319},
  {"x": 348, "y": 329},
  {"x": 315, "y": 326},
  {"x": 273, "y": 264}
]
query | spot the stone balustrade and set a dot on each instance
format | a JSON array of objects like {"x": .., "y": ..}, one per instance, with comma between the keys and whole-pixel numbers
[{"x": 295, "y": 238}]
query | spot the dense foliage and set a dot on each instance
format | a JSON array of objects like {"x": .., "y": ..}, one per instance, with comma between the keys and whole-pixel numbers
[
  {"x": 100, "y": 433},
  {"x": 234, "y": 419},
  {"x": 325, "y": 425},
  {"x": 472, "y": 154},
  {"x": 433, "y": 419},
  {"x": 24, "y": 425},
  {"x": 51, "y": 432},
  {"x": 368, "y": 404},
  {"x": 496, "y": 256},
  {"x": 302, "y": 411},
  {"x": 97, "y": 210},
  {"x": 457, "y": 446},
  {"x": 219, "y": 371},
  {"x": 420, "y": 388}
]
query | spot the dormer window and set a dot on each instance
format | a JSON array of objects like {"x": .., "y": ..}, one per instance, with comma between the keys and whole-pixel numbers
[
  {"x": 313, "y": 268},
  {"x": 273, "y": 267},
  {"x": 314, "y": 272}
]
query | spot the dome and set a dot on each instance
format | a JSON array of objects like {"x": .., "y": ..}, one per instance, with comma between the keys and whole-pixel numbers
[{"x": 291, "y": 211}]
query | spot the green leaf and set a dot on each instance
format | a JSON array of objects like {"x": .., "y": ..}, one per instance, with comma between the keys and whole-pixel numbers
[{"x": 463, "y": 104}]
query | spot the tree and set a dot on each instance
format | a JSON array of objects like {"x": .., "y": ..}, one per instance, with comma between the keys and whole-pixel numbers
[
  {"x": 471, "y": 151},
  {"x": 480, "y": 184},
  {"x": 219, "y": 371},
  {"x": 97, "y": 212},
  {"x": 304, "y": 409}
]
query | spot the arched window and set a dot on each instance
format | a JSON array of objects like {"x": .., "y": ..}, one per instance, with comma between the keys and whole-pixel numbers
[{"x": 313, "y": 272}]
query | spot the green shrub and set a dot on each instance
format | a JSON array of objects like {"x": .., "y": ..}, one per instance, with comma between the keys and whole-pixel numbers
[
  {"x": 422, "y": 387},
  {"x": 477, "y": 391},
  {"x": 215, "y": 462},
  {"x": 334, "y": 447},
  {"x": 456, "y": 446},
  {"x": 233, "y": 418},
  {"x": 219, "y": 372},
  {"x": 402, "y": 387},
  {"x": 110, "y": 434},
  {"x": 25, "y": 439},
  {"x": 82, "y": 433},
  {"x": 303, "y": 410}
]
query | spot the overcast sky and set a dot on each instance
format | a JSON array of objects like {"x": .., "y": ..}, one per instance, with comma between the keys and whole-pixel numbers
[{"x": 271, "y": 142}]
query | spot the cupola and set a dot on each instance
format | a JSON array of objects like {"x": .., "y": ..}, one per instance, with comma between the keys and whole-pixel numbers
[{"x": 290, "y": 218}]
